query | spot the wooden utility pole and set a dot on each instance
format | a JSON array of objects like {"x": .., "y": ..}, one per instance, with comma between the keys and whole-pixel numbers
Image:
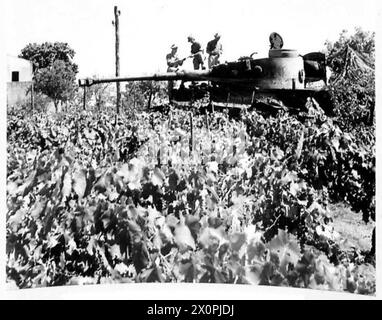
[{"x": 116, "y": 25}]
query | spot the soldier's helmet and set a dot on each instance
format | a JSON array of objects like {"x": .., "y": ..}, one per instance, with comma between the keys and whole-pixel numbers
[
  {"x": 276, "y": 42},
  {"x": 174, "y": 46},
  {"x": 190, "y": 37}
]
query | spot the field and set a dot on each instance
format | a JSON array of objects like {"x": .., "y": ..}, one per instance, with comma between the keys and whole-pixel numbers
[
  {"x": 351, "y": 228},
  {"x": 180, "y": 196}
]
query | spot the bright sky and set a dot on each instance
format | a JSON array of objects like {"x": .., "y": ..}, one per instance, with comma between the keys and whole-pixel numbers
[{"x": 149, "y": 27}]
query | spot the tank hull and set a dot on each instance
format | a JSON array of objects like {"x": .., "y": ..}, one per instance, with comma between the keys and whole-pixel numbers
[{"x": 236, "y": 96}]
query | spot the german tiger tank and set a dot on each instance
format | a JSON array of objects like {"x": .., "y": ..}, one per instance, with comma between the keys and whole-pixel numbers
[{"x": 283, "y": 80}]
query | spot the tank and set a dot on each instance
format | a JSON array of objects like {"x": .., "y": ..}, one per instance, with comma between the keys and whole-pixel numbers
[{"x": 283, "y": 80}]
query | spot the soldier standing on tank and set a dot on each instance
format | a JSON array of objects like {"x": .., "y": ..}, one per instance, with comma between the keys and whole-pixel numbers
[
  {"x": 196, "y": 53},
  {"x": 173, "y": 61},
  {"x": 173, "y": 64},
  {"x": 215, "y": 50}
]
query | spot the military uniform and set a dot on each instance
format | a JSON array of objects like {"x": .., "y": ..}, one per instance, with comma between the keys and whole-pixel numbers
[
  {"x": 197, "y": 52},
  {"x": 214, "y": 49},
  {"x": 173, "y": 63}
]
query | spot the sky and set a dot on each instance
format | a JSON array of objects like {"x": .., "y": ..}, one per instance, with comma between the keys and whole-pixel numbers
[{"x": 149, "y": 27}]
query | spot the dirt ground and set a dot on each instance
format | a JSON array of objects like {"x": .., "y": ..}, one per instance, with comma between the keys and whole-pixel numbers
[{"x": 353, "y": 231}]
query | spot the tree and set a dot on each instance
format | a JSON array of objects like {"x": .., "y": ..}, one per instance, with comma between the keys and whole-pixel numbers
[
  {"x": 143, "y": 94},
  {"x": 97, "y": 94},
  {"x": 361, "y": 43},
  {"x": 43, "y": 55},
  {"x": 56, "y": 81},
  {"x": 352, "y": 60},
  {"x": 53, "y": 68},
  {"x": 101, "y": 94}
]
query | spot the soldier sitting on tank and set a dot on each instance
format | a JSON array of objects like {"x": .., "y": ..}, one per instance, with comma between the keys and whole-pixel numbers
[
  {"x": 196, "y": 53},
  {"x": 214, "y": 49}
]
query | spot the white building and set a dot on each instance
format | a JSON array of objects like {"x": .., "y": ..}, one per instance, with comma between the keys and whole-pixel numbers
[{"x": 19, "y": 80}]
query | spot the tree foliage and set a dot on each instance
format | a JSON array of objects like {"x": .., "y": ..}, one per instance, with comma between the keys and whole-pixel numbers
[
  {"x": 143, "y": 94},
  {"x": 352, "y": 59},
  {"x": 54, "y": 70},
  {"x": 43, "y": 55},
  {"x": 97, "y": 96},
  {"x": 57, "y": 81}
]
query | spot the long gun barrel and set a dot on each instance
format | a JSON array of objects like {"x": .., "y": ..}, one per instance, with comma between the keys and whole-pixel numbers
[
  {"x": 180, "y": 75},
  {"x": 195, "y": 75}
]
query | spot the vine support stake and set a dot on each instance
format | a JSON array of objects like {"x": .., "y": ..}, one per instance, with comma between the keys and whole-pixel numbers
[
  {"x": 84, "y": 99},
  {"x": 192, "y": 133},
  {"x": 32, "y": 96},
  {"x": 207, "y": 122}
]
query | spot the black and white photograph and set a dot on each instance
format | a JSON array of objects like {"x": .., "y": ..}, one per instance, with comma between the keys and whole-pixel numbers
[{"x": 191, "y": 142}]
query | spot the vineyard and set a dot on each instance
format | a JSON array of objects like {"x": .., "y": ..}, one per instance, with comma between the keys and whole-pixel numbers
[{"x": 182, "y": 196}]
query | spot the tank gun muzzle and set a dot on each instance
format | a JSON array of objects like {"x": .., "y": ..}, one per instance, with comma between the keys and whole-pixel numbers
[{"x": 85, "y": 82}]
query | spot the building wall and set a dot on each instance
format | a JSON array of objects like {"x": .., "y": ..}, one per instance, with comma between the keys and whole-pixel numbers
[
  {"x": 17, "y": 91},
  {"x": 24, "y": 67}
]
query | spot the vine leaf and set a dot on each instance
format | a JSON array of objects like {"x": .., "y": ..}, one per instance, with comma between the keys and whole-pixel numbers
[
  {"x": 183, "y": 237},
  {"x": 66, "y": 185},
  {"x": 79, "y": 182},
  {"x": 287, "y": 249}
]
